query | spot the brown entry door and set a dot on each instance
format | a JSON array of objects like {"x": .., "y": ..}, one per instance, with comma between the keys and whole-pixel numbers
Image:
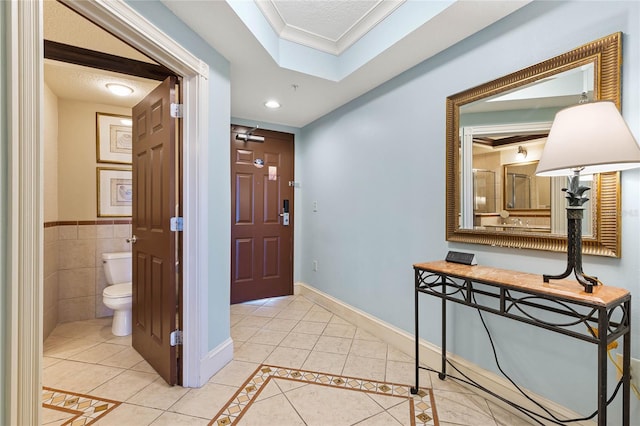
[
  {"x": 261, "y": 240},
  {"x": 154, "y": 252}
]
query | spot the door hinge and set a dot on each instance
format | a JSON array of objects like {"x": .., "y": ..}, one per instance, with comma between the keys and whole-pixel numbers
[
  {"x": 175, "y": 338},
  {"x": 176, "y": 224},
  {"x": 176, "y": 110}
]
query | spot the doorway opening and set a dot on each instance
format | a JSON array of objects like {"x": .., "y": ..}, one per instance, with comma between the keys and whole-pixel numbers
[{"x": 93, "y": 217}]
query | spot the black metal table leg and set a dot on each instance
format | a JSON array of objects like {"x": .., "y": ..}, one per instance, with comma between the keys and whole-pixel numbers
[
  {"x": 603, "y": 324},
  {"x": 443, "y": 371},
  {"x": 414, "y": 390}
]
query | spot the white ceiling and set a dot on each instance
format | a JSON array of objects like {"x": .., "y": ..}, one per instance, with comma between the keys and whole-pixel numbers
[{"x": 327, "y": 25}]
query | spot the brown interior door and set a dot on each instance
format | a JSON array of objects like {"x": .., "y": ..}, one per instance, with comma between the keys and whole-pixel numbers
[
  {"x": 154, "y": 252},
  {"x": 261, "y": 241}
]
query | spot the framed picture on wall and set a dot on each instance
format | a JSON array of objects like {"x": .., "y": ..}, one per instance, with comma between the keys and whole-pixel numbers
[
  {"x": 113, "y": 138},
  {"x": 115, "y": 189}
]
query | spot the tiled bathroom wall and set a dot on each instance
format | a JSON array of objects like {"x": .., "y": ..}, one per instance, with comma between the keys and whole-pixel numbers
[{"x": 73, "y": 273}]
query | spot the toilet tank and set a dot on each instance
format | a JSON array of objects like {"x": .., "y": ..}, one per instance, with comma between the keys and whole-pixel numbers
[{"x": 117, "y": 267}]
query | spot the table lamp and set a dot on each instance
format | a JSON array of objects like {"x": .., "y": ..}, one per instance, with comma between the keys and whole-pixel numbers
[{"x": 586, "y": 138}]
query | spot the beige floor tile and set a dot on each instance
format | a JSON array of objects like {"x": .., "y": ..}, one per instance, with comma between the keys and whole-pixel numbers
[
  {"x": 252, "y": 321},
  {"x": 268, "y": 337},
  {"x": 318, "y": 316},
  {"x": 269, "y": 390},
  {"x": 235, "y": 318},
  {"x": 448, "y": 384},
  {"x": 143, "y": 366},
  {"x": 287, "y": 357},
  {"x": 300, "y": 304},
  {"x": 99, "y": 330},
  {"x": 402, "y": 413},
  {"x": 124, "y": 359},
  {"x": 369, "y": 349},
  {"x": 52, "y": 417},
  {"x": 129, "y": 415},
  {"x": 175, "y": 419},
  {"x": 47, "y": 361},
  {"x": 242, "y": 309},
  {"x": 366, "y": 368},
  {"x": 505, "y": 418},
  {"x": 252, "y": 352},
  {"x": 464, "y": 409},
  {"x": 158, "y": 394},
  {"x": 287, "y": 385},
  {"x": 120, "y": 340},
  {"x": 394, "y": 354},
  {"x": 387, "y": 402},
  {"x": 340, "y": 330},
  {"x": 124, "y": 385},
  {"x": 325, "y": 362},
  {"x": 280, "y": 324},
  {"x": 280, "y": 302},
  {"x": 336, "y": 345},
  {"x": 76, "y": 376},
  {"x": 97, "y": 353},
  {"x": 299, "y": 341},
  {"x": 405, "y": 373},
  {"x": 339, "y": 320},
  {"x": 242, "y": 334},
  {"x": 204, "y": 402},
  {"x": 64, "y": 348},
  {"x": 324, "y": 405},
  {"x": 309, "y": 327},
  {"x": 235, "y": 373},
  {"x": 365, "y": 335},
  {"x": 382, "y": 419},
  {"x": 291, "y": 314},
  {"x": 275, "y": 410},
  {"x": 266, "y": 311}
]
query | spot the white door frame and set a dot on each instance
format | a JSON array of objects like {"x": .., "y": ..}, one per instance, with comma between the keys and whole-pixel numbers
[{"x": 25, "y": 194}]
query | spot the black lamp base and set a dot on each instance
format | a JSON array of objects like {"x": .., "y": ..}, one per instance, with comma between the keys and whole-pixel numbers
[{"x": 574, "y": 251}]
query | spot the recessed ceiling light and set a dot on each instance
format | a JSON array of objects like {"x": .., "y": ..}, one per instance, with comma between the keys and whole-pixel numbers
[
  {"x": 272, "y": 104},
  {"x": 119, "y": 89}
]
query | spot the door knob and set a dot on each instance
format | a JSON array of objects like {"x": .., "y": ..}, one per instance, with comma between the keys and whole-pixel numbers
[{"x": 132, "y": 240}]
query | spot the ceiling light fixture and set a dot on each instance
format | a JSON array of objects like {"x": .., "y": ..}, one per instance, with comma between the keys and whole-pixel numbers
[
  {"x": 119, "y": 89},
  {"x": 272, "y": 104}
]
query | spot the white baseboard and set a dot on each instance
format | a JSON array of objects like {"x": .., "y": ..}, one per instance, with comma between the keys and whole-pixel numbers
[
  {"x": 215, "y": 360},
  {"x": 430, "y": 355}
]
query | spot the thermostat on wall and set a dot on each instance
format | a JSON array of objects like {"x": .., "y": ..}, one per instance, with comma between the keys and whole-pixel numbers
[{"x": 459, "y": 257}]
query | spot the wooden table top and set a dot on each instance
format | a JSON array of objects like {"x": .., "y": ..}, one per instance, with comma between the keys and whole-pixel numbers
[{"x": 603, "y": 295}]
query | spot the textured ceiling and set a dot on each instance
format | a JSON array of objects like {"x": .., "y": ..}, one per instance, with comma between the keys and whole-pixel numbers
[
  {"x": 257, "y": 76},
  {"x": 68, "y": 81},
  {"x": 330, "y": 26}
]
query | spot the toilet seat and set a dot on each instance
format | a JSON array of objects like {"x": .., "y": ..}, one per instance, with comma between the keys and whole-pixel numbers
[{"x": 118, "y": 291}]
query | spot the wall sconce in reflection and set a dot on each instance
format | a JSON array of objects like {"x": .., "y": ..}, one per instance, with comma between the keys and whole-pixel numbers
[{"x": 521, "y": 154}]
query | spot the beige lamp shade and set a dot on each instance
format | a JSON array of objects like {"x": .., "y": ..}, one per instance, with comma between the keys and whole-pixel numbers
[{"x": 592, "y": 137}]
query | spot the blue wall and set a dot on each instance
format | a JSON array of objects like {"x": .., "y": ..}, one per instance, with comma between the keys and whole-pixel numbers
[{"x": 376, "y": 167}]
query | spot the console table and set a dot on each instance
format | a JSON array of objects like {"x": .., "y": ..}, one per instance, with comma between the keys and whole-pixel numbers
[{"x": 525, "y": 298}]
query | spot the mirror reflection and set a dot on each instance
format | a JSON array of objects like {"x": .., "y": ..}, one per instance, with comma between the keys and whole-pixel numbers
[
  {"x": 495, "y": 136},
  {"x": 505, "y": 134}
]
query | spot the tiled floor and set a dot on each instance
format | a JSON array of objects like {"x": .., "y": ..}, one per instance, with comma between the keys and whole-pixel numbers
[{"x": 291, "y": 332}]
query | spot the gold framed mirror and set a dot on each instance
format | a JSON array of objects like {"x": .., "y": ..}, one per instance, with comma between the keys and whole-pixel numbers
[{"x": 505, "y": 122}]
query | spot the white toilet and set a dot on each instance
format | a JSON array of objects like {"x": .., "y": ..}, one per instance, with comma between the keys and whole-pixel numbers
[{"x": 117, "y": 294}]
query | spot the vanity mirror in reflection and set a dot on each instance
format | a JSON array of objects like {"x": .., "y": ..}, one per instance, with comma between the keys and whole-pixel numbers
[{"x": 495, "y": 135}]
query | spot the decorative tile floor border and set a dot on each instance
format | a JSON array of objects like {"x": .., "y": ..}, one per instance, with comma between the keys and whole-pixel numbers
[
  {"x": 422, "y": 405},
  {"x": 87, "y": 409}
]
